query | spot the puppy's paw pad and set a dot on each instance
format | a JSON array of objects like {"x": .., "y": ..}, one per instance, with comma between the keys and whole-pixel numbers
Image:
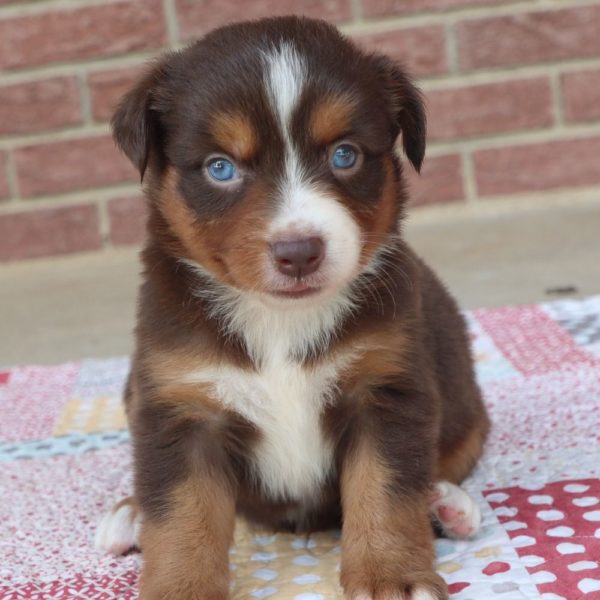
[
  {"x": 456, "y": 512},
  {"x": 118, "y": 530}
]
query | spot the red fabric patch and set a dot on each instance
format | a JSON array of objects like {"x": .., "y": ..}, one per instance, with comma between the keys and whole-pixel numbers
[
  {"x": 458, "y": 586},
  {"x": 496, "y": 567},
  {"x": 533, "y": 342},
  {"x": 556, "y": 529},
  {"x": 4, "y": 375},
  {"x": 123, "y": 587}
]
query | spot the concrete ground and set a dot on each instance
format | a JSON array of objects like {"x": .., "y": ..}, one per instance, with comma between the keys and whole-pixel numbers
[{"x": 68, "y": 308}]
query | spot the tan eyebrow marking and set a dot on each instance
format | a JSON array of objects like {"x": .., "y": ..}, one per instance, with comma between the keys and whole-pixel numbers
[
  {"x": 236, "y": 134},
  {"x": 331, "y": 118}
]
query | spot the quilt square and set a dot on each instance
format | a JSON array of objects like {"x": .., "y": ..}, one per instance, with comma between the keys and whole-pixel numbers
[
  {"x": 533, "y": 341},
  {"x": 555, "y": 529},
  {"x": 32, "y": 399}
]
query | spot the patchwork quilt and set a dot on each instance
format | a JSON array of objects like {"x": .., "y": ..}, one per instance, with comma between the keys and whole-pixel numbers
[{"x": 65, "y": 459}]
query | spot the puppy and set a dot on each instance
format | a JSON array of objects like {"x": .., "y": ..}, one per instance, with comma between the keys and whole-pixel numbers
[{"x": 296, "y": 362}]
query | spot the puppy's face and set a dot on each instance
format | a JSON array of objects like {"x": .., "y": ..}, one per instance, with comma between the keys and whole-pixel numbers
[{"x": 270, "y": 147}]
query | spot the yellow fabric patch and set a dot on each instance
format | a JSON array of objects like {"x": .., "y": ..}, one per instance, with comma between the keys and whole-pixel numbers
[{"x": 100, "y": 414}]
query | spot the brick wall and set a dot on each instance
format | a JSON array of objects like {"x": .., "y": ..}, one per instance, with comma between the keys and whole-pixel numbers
[{"x": 513, "y": 92}]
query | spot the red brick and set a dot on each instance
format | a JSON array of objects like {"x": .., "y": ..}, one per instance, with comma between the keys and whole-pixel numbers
[
  {"x": 39, "y": 105},
  {"x": 490, "y": 108},
  {"x": 529, "y": 38},
  {"x": 68, "y": 165},
  {"x": 581, "y": 93},
  {"x": 440, "y": 181},
  {"x": 196, "y": 17},
  {"x": 127, "y": 220},
  {"x": 108, "y": 87},
  {"x": 421, "y": 49},
  {"x": 3, "y": 177},
  {"x": 380, "y": 8},
  {"x": 50, "y": 231},
  {"x": 80, "y": 33},
  {"x": 534, "y": 167}
]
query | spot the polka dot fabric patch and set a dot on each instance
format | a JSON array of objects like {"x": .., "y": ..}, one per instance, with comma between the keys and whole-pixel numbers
[{"x": 556, "y": 532}]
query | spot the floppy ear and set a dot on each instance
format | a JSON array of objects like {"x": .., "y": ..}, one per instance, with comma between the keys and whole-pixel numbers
[
  {"x": 408, "y": 108},
  {"x": 135, "y": 124}
]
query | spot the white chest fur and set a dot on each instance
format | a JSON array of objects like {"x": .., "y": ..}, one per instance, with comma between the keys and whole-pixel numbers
[
  {"x": 283, "y": 398},
  {"x": 285, "y": 401}
]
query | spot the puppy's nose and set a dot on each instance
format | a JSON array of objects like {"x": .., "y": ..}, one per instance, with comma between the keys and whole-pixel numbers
[{"x": 298, "y": 258}]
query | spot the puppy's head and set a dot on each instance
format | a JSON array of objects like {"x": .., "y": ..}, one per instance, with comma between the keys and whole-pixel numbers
[{"x": 269, "y": 153}]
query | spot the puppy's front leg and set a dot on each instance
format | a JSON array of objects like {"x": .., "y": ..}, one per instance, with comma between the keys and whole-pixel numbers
[
  {"x": 187, "y": 496},
  {"x": 185, "y": 552},
  {"x": 387, "y": 539}
]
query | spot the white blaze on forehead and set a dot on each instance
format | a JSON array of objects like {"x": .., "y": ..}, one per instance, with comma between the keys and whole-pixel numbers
[
  {"x": 304, "y": 208},
  {"x": 286, "y": 76},
  {"x": 285, "y": 79}
]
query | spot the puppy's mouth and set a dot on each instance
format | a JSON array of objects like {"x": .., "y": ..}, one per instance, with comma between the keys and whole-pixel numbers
[{"x": 299, "y": 289}]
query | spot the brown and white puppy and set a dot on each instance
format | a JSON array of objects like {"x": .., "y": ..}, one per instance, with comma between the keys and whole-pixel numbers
[{"x": 296, "y": 362}]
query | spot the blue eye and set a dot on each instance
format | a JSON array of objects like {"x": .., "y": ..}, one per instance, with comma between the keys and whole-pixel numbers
[
  {"x": 344, "y": 157},
  {"x": 221, "y": 169}
]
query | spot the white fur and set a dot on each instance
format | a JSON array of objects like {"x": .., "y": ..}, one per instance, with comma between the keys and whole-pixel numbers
[
  {"x": 468, "y": 520},
  {"x": 281, "y": 397},
  {"x": 119, "y": 530},
  {"x": 421, "y": 594},
  {"x": 418, "y": 594},
  {"x": 305, "y": 210},
  {"x": 285, "y": 401},
  {"x": 271, "y": 327},
  {"x": 286, "y": 76}
]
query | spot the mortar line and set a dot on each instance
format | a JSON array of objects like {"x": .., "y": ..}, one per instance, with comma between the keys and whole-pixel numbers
[
  {"x": 12, "y": 179},
  {"x": 451, "y": 48},
  {"x": 468, "y": 175},
  {"x": 103, "y": 220},
  {"x": 170, "y": 13},
  {"x": 85, "y": 97},
  {"x": 357, "y": 11},
  {"x": 557, "y": 100}
]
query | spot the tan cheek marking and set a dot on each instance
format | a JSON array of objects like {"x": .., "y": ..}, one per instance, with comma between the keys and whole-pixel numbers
[
  {"x": 199, "y": 240},
  {"x": 235, "y": 134},
  {"x": 233, "y": 248},
  {"x": 331, "y": 119},
  {"x": 387, "y": 214},
  {"x": 186, "y": 553},
  {"x": 247, "y": 249}
]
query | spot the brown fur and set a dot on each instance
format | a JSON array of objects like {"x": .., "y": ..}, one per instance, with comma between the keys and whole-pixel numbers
[
  {"x": 235, "y": 133},
  {"x": 176, "y": 545},
  {"x": 382, "y": 531},
  {"x": 405, "y": 409},
  {"x": 456, "y": 463},
  {"x": 331, "y": 119}
]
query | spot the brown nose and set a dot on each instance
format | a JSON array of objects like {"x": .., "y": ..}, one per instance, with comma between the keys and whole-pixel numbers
[{"x": 298, "y": 258}]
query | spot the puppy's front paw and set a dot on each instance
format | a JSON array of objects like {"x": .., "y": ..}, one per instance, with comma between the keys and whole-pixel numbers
[
  {"x": 418, "y": 594},
  {"x": 432, "y": 588},
  {"x": 456, "y": 512}
]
